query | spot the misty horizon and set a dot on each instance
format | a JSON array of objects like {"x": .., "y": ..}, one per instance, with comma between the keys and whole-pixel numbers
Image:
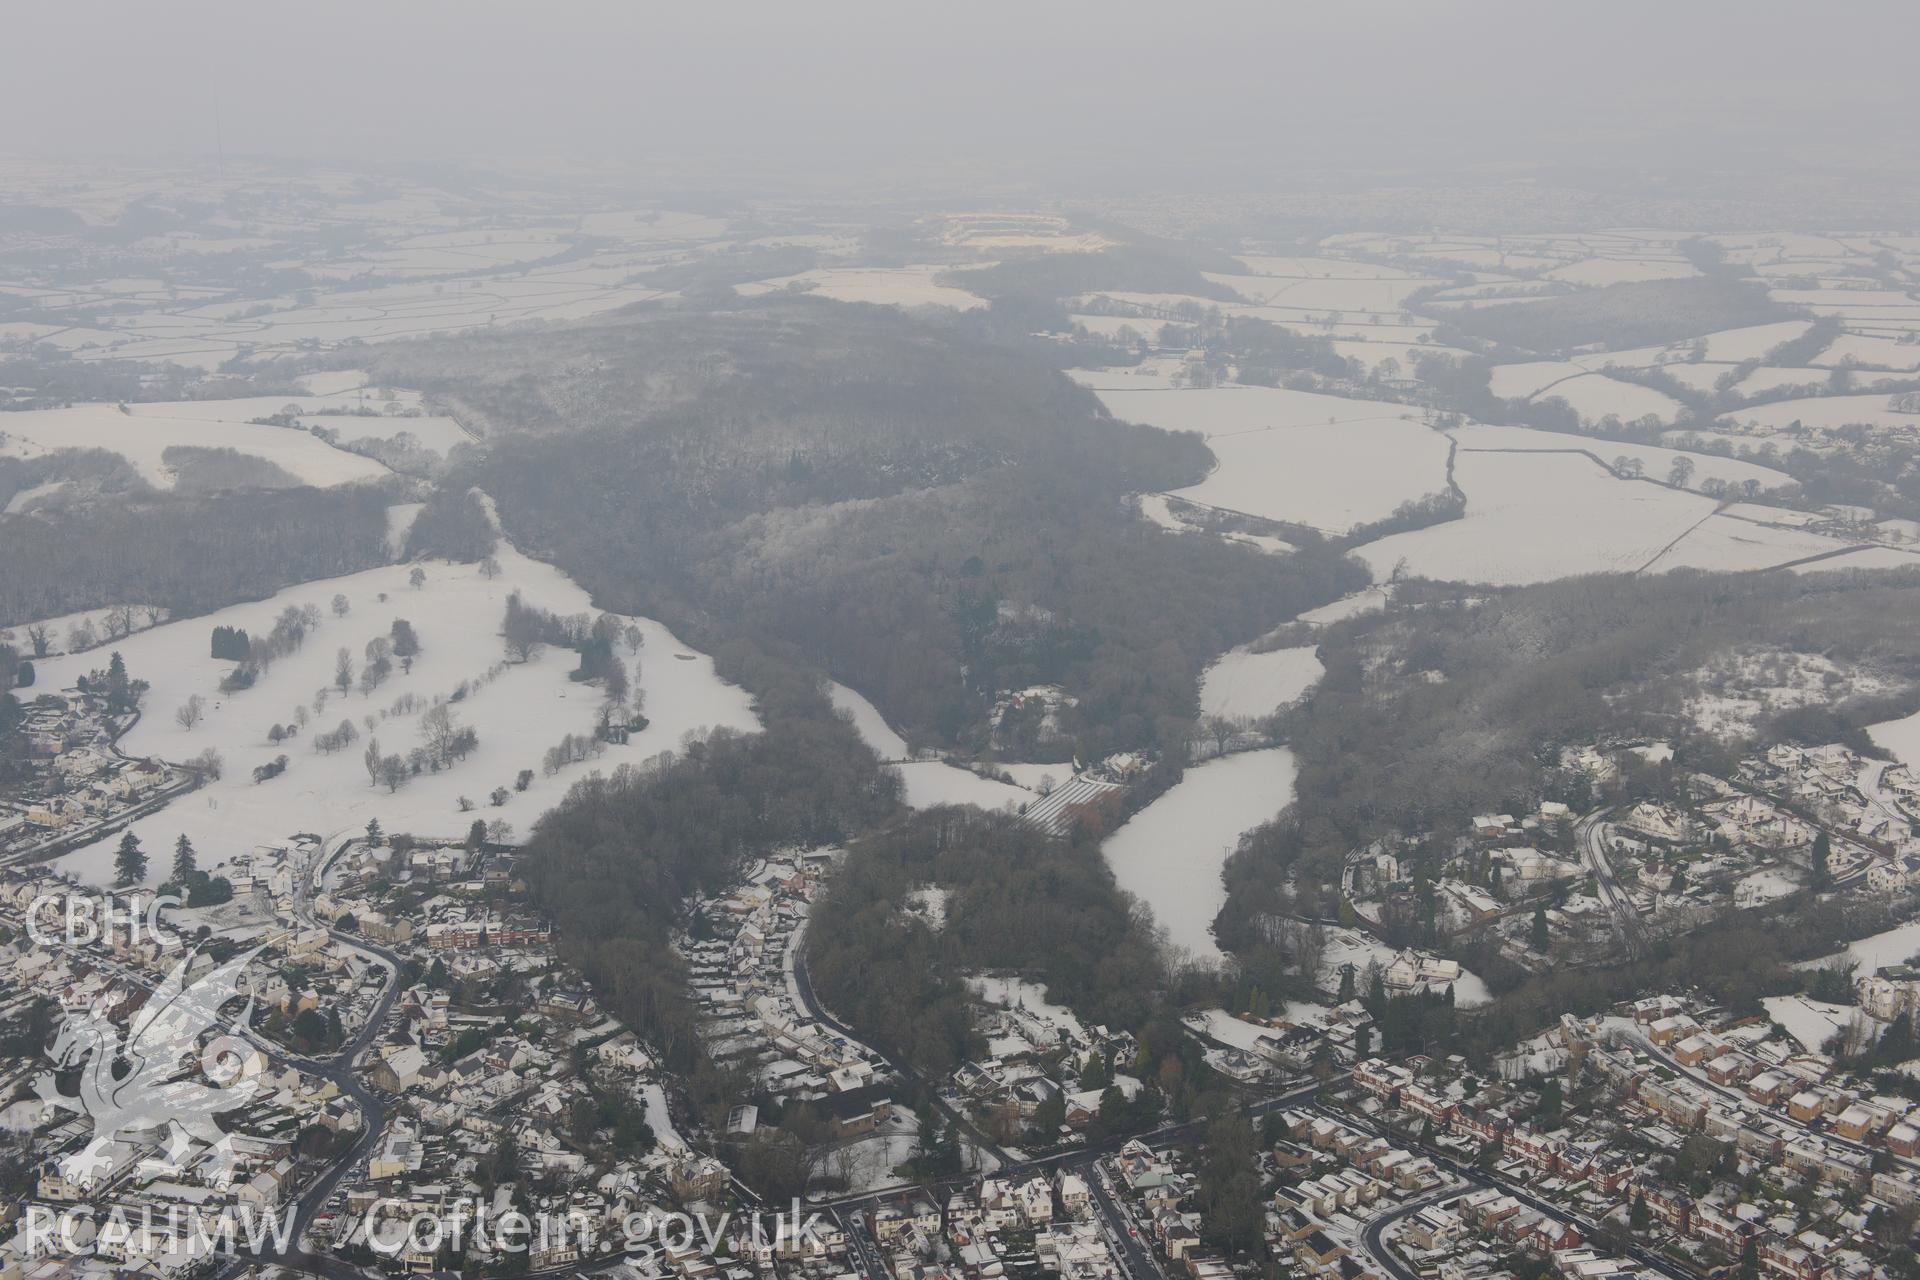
[{"x": 1222, "y": 97}]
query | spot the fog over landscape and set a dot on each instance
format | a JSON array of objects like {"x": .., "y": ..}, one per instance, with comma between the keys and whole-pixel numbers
[
  {"x": 1072, "y": 642},
  {"x": 1107, "y": 96}
]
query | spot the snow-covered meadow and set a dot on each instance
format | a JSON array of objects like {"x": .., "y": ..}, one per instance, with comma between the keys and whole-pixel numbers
[
  {"x": 1170, "y": 854},
  {"x": 1327, "y": 461},
  {"x": 144, "y": 432},
  {"x": 1242, "y": 684},
  {"x": 1537, "y": 517},
  {"x": 519, "y": 710}
]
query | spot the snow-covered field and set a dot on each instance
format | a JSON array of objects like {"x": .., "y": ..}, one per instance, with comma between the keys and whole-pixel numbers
[
  {"x": 1538, "y": 517},
  {"x": 1525, "y": 380},
  {"x": 1811, "y": 1022},
  {"x": 932, "y": 782},
  {"x": 1753, "y": 341},
  {"x": 1864, "y": 558},
  {"x": 1246, "y": 685},
  {"x": 1725, "y": 544},
  {"x": 1895, "y": 946},
  {"x": 1595, "y": 396},
  {"x": 1382, "y": 296},
  {"x": 868, "y": 722},
  {"x": 1371, "y": 600},
  {"x": 60, "y": 630},
  {"x": 518, "y": 712},
  {"x": 1824, "y": 411},
  {"x": 935, "y": 782},
  {"x": 1326, "y": 461},
  {"x": 143, "y": 435},
  {"x": 1170, "y": 854},
  {"x": 1655, "y": 461},
  {"x": 912, "y": 286},
  {"x": 1864, "y": 350},
  {"x": 1902, "y": 738},
  {"x": 1606, "y": 271}
]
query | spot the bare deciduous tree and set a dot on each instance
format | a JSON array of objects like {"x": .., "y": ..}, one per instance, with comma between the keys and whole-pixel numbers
[{"x": 191, "y": 712}]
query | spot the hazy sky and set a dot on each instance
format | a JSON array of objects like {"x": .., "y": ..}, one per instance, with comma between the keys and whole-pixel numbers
[{"x": 1238, "y": 91}]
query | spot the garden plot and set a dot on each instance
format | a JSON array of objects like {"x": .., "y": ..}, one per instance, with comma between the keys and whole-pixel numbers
[
  {"x": 1170, "y": 854},
  {"x": 911, "y": 286},
  {"x": 144, "y": 434},
  {"x": 1811, "y": 1022},
  {"x": 1010, "y": 991},
  {"x": 1324, "y": 461},
  {"x": 1537, "y": 517},
  {"x": 1824, "y": 412},
  {"x": 1345, "y": 947},
  {"x": 518, "y": 710},
  {"x": 1895, "y": 946},
  {"x": 1655, "y": 462},
  {"x": 1242, "y": 685}
]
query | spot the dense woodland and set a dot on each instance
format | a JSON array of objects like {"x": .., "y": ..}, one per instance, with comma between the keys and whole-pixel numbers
[
  {"x": 929, "y": 517},
  {"x": 186, "y": 554},
  {"x": 1015, "y": 899}
]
